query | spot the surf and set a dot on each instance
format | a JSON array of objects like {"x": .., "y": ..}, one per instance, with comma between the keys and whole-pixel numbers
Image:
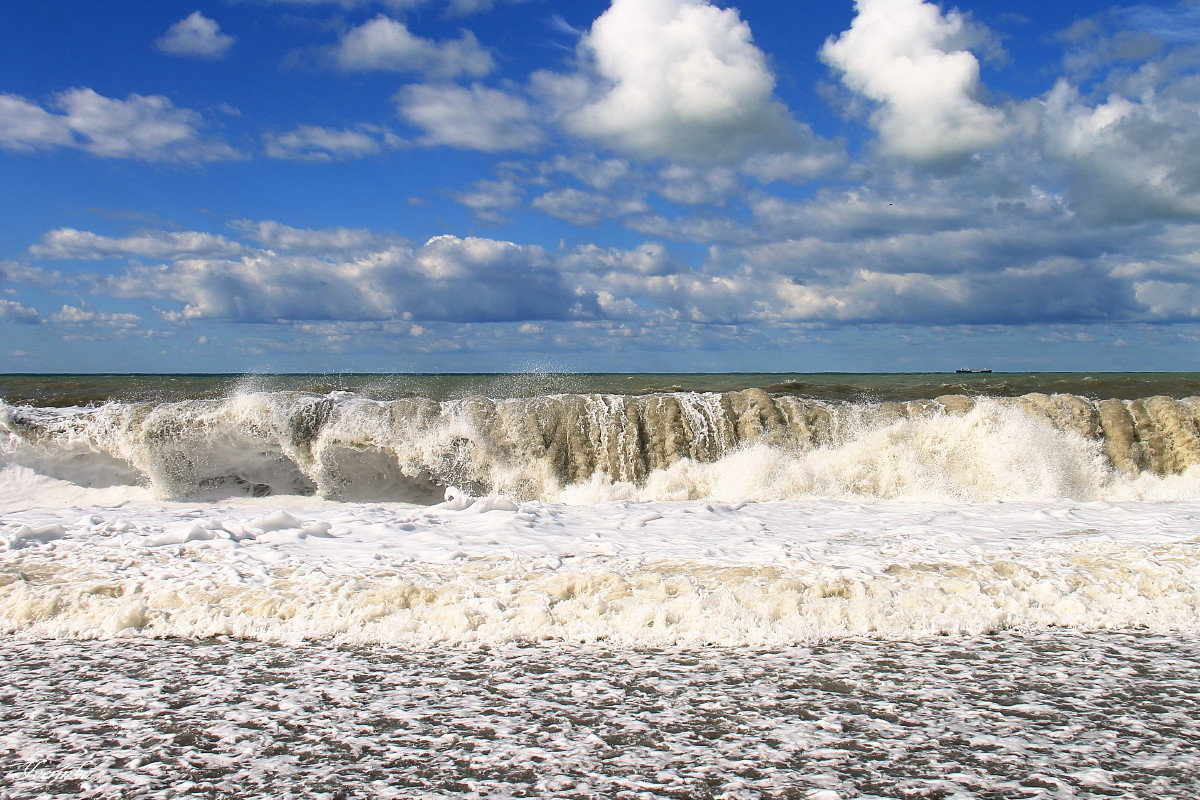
[{"x": 580, "y": 448}]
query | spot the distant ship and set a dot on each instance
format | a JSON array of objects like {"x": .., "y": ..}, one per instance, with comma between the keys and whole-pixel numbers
[{"x": 966, "y": 371}]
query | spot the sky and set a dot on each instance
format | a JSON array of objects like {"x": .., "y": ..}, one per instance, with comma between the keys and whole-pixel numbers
[{"x": 641, "y": 185}]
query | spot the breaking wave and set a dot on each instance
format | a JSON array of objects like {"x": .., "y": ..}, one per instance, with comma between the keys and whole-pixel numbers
[{"x": 584, "y": 448}]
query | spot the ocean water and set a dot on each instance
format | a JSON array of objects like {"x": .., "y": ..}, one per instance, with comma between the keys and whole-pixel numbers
[
  {"x": 67, "y": 389},
  {"x": 815, "y": 586}
]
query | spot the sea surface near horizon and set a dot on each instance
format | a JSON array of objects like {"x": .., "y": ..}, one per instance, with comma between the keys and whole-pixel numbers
[{"x": 53, "y": 389}]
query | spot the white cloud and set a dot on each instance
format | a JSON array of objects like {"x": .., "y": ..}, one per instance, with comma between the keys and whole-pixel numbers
[
  {"x": 688, "y": 295},
  {"x": 802, "y": 166},
  {"x": 1044, "y": 293},
  {"x": 454, "y": 8},
  {"x": 325, "y": 241},
  {"x": 691, "y": 186},
  {"x": 587, "y": 168},
  {"x": 72, "y": 244},
  {"x": 1177, "y": 24},
  {"x": 475, "y": 118},
  {"x": 913, "y": 207},
  {"x": 70, "y": 315},
  {"x": 317, "y": 143},
  {"x": 964, "y": 248},
  {"x": 28, "y": 275},
  {"x": 446, "y": 279},
  {"x": 195, "y": 36},
  {"x": 678, "y": 79},
  {"x": 383, "y": 43},
  {"x": 12, "y": 311},
  {"x": 159, "y": 245},
  {"x": 916, "y": 62},
  {"x": 648, "y": 259},
  {"x": 140, "y": 127},
  {"x": 488, "y": 200},
  {"x": 465, "y": 7},
  {"x": 147, "y": 127},
  {"x": 1127, "y": 160},
  {"x": 708, "y": 228},
  {"x": 586, "y": 208},
  {"x": 25, "y": 126}
]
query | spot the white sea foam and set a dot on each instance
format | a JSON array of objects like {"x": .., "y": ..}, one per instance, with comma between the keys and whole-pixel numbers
[
  {"x": 490, "y": 570},
  {"x": 727, "y": 519}
]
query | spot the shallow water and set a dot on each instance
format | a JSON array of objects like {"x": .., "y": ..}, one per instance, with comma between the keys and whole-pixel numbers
[{"x": 1052, "y": 714}]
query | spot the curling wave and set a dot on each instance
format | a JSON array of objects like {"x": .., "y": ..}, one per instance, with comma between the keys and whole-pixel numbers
[{"x": 747, "y": 445}]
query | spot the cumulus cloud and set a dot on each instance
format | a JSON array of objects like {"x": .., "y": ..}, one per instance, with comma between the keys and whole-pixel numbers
[
  {"x": 12, "y": 311},
  {"x": 320, "y": 144},
  {"x": 73, "y": 244},
  {"x": 651, "y": 258},
  {"x": 913, "y": 208},
  {"x": 140, "y": 127},
  {"x": 678, "y": 79},
  {"x": 691, "y": 186},
  {"x": 471, "y": 118},
  {"x": 195, "y": 36},
  {"x": 914, "y": 253},
  {"x": 925, "y": 254},
  {"x": 917, "y": 64},
  {"x": 703, "y": 228},
  {"x": 690, "y": 295},
  {"x": 26, "y": 126},
  {"x": 819, "y": 158},
  {"x": 1049, "y": 293},
  {"x": 1171, "y": 300},
  {"x": 1127, "y": 159},
  {"x": 282, "y": 238},
  {"x": 446, "y": 279},
  {"x": 591, "y": 170},
  {"x": 385, "y": 44},
  {"x": 29, "y": 275}
]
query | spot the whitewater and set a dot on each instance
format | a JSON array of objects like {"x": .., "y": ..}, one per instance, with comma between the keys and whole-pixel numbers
[
  {"x": 666, "y": 536},
  {"x": 733, "y": 518}
]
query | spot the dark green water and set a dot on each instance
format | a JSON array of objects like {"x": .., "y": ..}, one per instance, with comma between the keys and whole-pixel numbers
[{"x": 71, "y": 390}]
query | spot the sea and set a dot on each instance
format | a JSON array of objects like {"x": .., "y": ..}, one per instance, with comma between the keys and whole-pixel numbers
[{"x": 815, "y": 586}]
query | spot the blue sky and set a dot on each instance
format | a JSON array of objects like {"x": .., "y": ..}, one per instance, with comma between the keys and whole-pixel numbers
[{"x": 490, "y": 185}]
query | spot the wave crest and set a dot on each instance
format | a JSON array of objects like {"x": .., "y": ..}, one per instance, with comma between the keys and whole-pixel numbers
[{"x": 733, "y": 446}]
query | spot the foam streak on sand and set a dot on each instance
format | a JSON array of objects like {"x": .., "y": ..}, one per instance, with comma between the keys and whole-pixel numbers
[{"x": 1044, "y": 716}]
